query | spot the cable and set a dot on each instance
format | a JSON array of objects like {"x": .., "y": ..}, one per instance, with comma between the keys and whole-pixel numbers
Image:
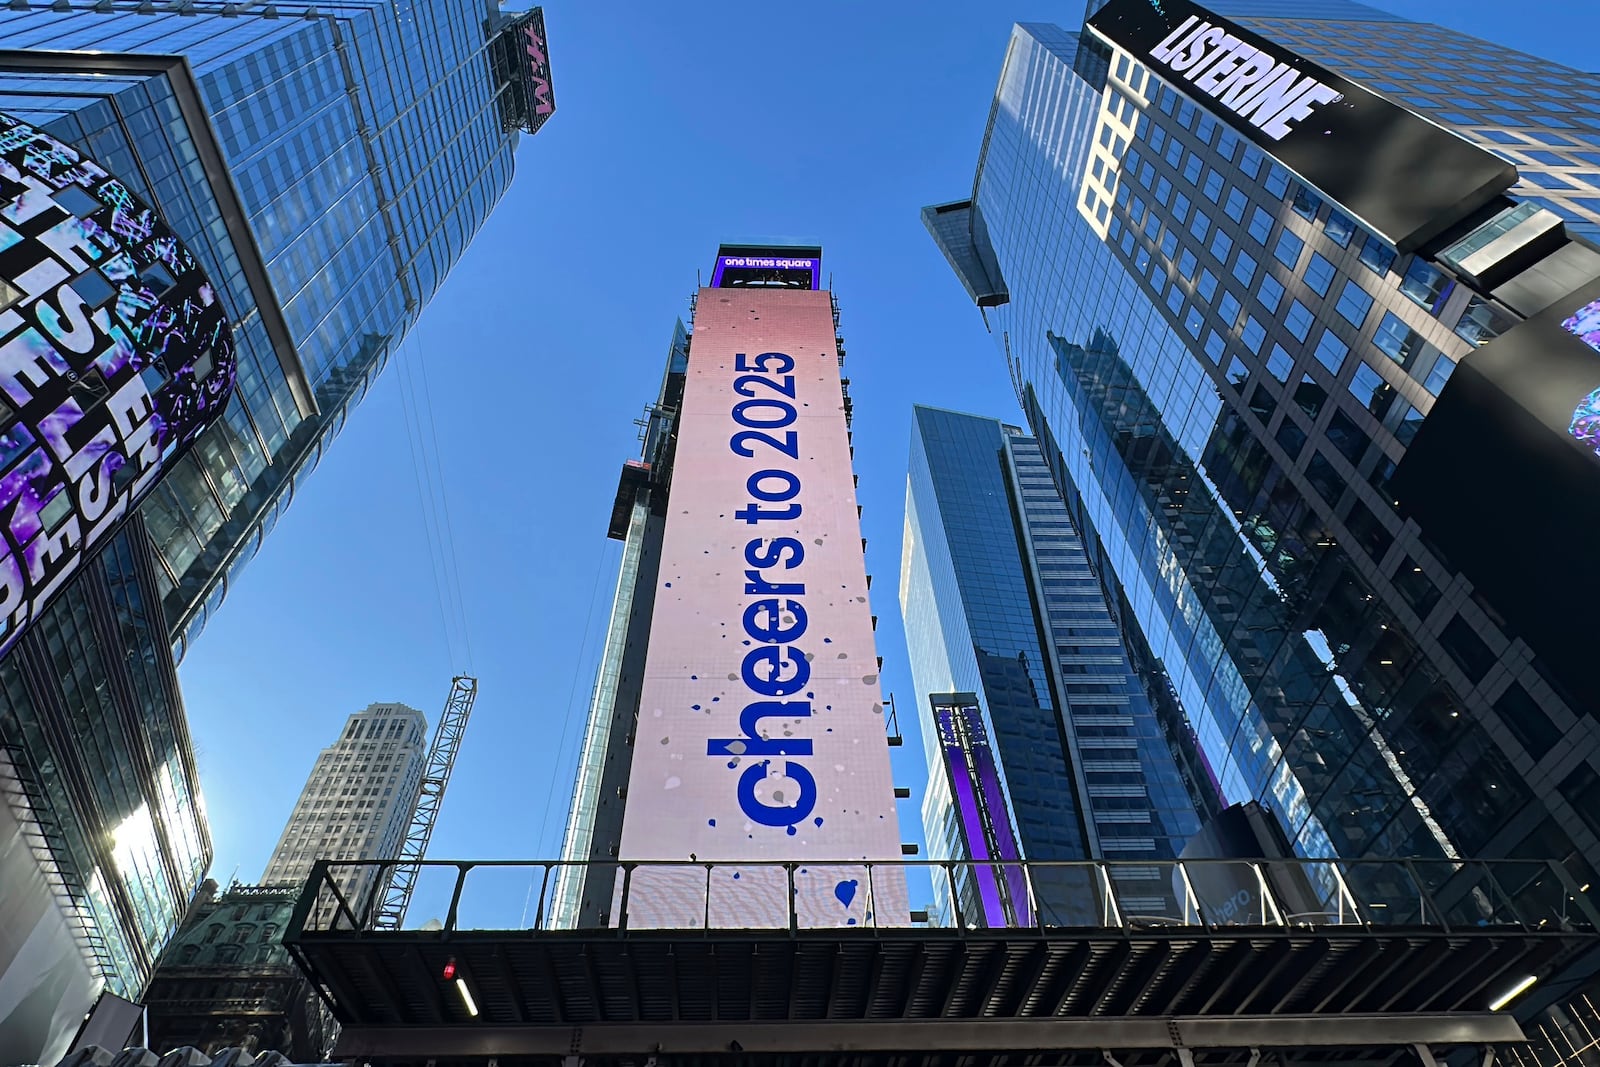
[
  {"x": 412, "y": 439},
  {"x": 451, "y": 560}
]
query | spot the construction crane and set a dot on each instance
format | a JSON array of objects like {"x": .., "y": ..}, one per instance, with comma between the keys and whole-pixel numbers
[{"x": 435, "y": 777}]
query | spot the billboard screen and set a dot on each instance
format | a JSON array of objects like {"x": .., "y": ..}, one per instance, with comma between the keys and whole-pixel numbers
[
  {"x": 763, "y": 270},
  {"x": 115, "y": 354},
  {"x": 1504, "y": 478},
  {"x": 981, "y": 812},
  {"x": 761, "y": 733},
  {"x": 1404, "y": 177}
]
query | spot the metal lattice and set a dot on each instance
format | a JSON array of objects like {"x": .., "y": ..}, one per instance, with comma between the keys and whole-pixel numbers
[{"x": 435, "y": 778}]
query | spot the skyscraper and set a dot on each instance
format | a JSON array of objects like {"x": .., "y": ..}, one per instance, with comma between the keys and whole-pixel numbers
[
  {"x": 1252, "y": 322},
  {"x": 359, "y": 796},
  {"x": 326, "y": 163},
  {"x": 1000, "y": 601},
  {"x": 737, "y": 715}
]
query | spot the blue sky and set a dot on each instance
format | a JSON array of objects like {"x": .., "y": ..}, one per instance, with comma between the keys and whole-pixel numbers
[{"x": 677, "y": 126}]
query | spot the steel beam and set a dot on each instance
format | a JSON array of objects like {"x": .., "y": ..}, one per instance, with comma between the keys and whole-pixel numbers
[{"x": 377, "y": 1043}]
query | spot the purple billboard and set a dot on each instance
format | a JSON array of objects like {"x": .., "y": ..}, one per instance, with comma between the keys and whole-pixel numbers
[
  {"x": 755, "y": 270},
  {"x": 115, "y": 354},
  {"x": 981, "y": 811}
]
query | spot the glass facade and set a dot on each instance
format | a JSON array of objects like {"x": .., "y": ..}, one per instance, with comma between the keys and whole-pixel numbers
[
  {"x": 1226, "y": 372},
  {"x": 363, "y": 146},
  {"x": 999, "y": 599},
  {"x": 327, "y": 163}
]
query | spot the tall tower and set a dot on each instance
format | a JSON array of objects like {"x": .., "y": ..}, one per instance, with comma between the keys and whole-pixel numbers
[
  {"x": 1001, "y": 603},
  {"x": 358, "y": 799},
  {"x": 1311, "y": 368},
  {"x": 738, "y": 714},
  {"x": 326, "y": 164}
]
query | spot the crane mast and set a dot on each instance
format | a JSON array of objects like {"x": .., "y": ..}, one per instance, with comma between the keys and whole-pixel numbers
[{"x": 442, "y": 752}]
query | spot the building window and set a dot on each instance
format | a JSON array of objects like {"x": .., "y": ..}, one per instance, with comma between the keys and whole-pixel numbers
[
  {"x": 1310, "y": 395},
  {"x": 1280, "y": 364},
  {"x": 1192, "y": 169},
  {"x": 1443, "y": 367},
  {"x": 1221, "y": 245},
  {"x": 1213, "y": 187},
  {"x": 1260, "y": 226},
  {"x": 1527, "y": 721},
  {"x": 1370, "y": 387},
  {"x": 1354, "y": 303},
  {"x": 1278, "y": 181},
  {"x": 1236, "y": 204},
  {"x": 1270, "y": 293},
  {"x": 1481, "y": 323},
  {"x": 1244, "y": 269},
  {"x": 1347, "y": 437},
  {"x": 1253, "y": 335},
  {"x": 1467, "y": 649},
  {"x": 1319, "y": 274},
  {"x": 1410, "y": 423},
  {"x": 1306, "y": 203},
  {"x": 1397, "y": 340},
  {"x": 1377, "y": 256},
  {"x": 1229, "y": 307},
  {"x": 1339, "y": 228},
  {"x": 1298, "y": 320},
  {"x": 1287, "y": 250},
  {"x": 1423, "y": 284},
  {"x": 1331, "y": 352}
]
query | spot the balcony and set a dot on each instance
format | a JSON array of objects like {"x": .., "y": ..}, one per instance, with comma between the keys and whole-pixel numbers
[{"x": 1204, "y": 960}]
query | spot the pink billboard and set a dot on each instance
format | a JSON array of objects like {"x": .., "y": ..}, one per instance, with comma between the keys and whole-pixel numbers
[{"x": 760, "y": 737}]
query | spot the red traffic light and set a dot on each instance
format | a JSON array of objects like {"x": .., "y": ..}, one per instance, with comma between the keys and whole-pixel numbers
[{"x": 450, "y": 968}]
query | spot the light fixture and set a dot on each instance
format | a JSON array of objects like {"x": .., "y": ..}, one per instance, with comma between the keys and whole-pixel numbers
[
  {"x": 472, "y": 1007},
  {"x": 1584, "y": 888},
  {"x": 1522, "y": 986}
]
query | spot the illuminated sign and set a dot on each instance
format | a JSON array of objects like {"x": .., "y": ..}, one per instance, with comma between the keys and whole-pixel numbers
[
  {"x": 760, "y": 732},
  {"x": 521, "y": 62},
  {"x": 981, "y": 810},
  {"x": 754, "y": 269},
  {"x": 115, "y": 354},
  {"x": 1404, "y": 177}
]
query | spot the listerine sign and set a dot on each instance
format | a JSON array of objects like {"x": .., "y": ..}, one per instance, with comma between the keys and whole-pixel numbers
[
  {"x": 1401, "y": 175},
  {"x": 1268, "y": 93}
]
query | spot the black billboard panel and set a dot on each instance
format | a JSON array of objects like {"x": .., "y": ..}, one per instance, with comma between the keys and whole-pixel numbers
[
  {"x": 1504, "y": 479},
  {"x": 1404, "y": 177}
]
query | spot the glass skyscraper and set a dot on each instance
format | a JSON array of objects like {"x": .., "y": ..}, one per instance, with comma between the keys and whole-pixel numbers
[
  {"x": 999, "y": 600},
  {"x": 327, "y": 163},
  {"x": 1226, "y": 372}
]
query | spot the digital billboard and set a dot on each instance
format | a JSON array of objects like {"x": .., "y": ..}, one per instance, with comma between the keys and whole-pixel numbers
[
  {"x": 115, "y": 354},
  {"x": 756, "y": 270},
  {"x": 981, "y": 810},
  {"x": 1504, "y": 478},
  {"x": 1403, "y": 176},
  {"x": 760, "y": 732}
]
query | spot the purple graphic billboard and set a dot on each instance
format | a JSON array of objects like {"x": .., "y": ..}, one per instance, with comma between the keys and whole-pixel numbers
[
  {"x": 755, "y": 270},
  {"x": 981, "y": 811},
  {"x": 760, "y": 736},
  {"x": 115, "y": 354}
]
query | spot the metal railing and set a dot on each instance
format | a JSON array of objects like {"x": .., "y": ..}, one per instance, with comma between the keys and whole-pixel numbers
[{"x": 1298, "y": 894}]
